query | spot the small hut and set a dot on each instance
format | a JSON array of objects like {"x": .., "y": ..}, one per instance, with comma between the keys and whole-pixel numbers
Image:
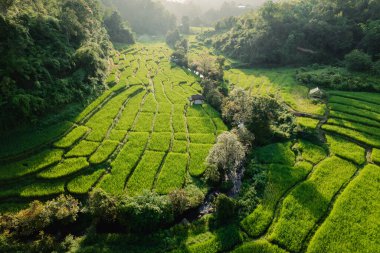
[
  {"x": 316, "y": 93},
  {"x": 197, "y": 99}
]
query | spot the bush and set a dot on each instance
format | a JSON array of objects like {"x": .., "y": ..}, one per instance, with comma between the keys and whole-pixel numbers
[
  {"x": 225, "y": 209},
  {"x": 102, "y": 206},
  {"x": 358, "y": 61},
  {"x": 29, "y": 222},
  {"x": 376, "y": 67}
]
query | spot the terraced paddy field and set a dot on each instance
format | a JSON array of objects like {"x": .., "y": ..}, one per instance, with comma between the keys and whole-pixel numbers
[
  {"x": 322, "y": 197},
  {"x": 141, "y": 134}
]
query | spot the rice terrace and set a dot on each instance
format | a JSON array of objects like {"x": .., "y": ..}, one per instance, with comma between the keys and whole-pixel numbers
[{"x": 186, "y": 126}]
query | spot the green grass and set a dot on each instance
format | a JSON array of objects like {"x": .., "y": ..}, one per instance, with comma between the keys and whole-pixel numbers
[
  {"x": 179, "y": 123},
  {"x": 72, "y": 137},
  {"x": 83, "y": 148},
  {"x": 144, "y": 122},
  {"x": 307, "y": 123},
  {"x": 362, "y": 137},
  {"x": 376, "y": 155},
  {"x": 355, "y": 103},
  {"x": 278, "y": 81},
  {"x": 179, "y": 146},
  {"x": 43, "y": 189},
  {"x": 346, "y": 149},
  {"x": 278, "y": 153},
  {"x": 179, "y": 109},
  {"x": 220, "y": 126},
  {"x": 67, "y": 167},
  {"x": 164, "y": 108},
  {"x": 363, "y": 96},
  {"x": 260, "y": 246},
  {"x": 103, "y": 152},
  {"x": 150, "y": 104},
  {"x": 200, "y": 125},
  {"x": 172, "y": 175},
  {"x": 162, "y": 123},
  {"x": 308, "y": 202},
  {"x": 117, "y": 135},
  {"x": 203, "y": 138},
  {"x": 355, "y": 126},
  {"x": 196, "y": 111},
  {"x": 82, "y": 184},
  {"x": 280, "y": 179},
  {"x": 354, "y": 223},
  {"x": 21, "y": 141},
  {"x": 137, "y": 140},
  {"x": 31, "y": 164},
  {"x": 355, "y": 111},
  {"x": 180, "y": 136},
  {"x": 211, "y": 111},
  {"x": 143, "y": 177},
  {"x": 122, "y": 166},
  {"x": 198, "y": 154},
  {"x": 129, "y": 114},
  {"x": 354, "y": 118},
  {"x": 160, "y": 142},
  {"x": 310, "y": 152}
]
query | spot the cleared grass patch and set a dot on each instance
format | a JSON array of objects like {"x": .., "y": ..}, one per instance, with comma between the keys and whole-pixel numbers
[
  {"x": 103, "y": 152},
  {"x": 354, "y": 223},
  {"x": 83, "y": 148},
  {"x": 203, "y": 138},
  {"x": 308, "y": 202},
  {"x": 200, "y": 125},
  {"x": 198, "y": 154},
  {"x": 143, "y": 177},
  {"x": 363, "y": 137},
  {"x": 67, "y": 167},
  {"x": 172, "y": 175},
  {"x": 160, "y": 142},
  {"x": 30, "y": 165},
  {"x": 72, "y": 137},
  {"x": 280, "y": 179},
  {"x": 82, "y": 184},
  {"x": 346, "y": 149}
]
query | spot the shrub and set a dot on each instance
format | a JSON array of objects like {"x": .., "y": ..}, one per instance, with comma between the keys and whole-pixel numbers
[
  {"x": 225, "y": 209},
  {"x": 102, "y": 206},
  {"x": 358, "y": 61},
  {"x": 145, "y": 213}
]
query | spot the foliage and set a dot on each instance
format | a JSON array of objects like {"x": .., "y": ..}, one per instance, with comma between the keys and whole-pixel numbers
[
  {"x": 117, "y": 30},
  {"x": 262, "y": 246},
  {"x": 173, "y": 37},
  {"x": 278, "y": 153},
  {"x": 301, "y": 32},
  {"x": 354, "y": 219},
  {"x": 29, "y": 222},
  {"x": 102, "y": 206},
  {"x": 37, "y": 78},
  {"x": 145, "y": 213},
  {"x": 225, "y": 209},
  {"x": 226, "y": 156},
  {"x": 310, "y": 152},
  {"x": 358, "y": 61}
]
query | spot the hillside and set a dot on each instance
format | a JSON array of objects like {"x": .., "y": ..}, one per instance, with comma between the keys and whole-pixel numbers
[{"x": 199, "y": 144}]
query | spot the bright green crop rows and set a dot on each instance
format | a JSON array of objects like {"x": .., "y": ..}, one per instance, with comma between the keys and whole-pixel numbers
[
  {"x": 308, "y": 202},
  {"x": 72, "y": 137},
  {"x": 346, "y": 149},
  {"x": 376, "y": 155},
  {"x": 355, "y": 111},
  {"x": 354, "y": 223},
  {"x": 355, "y": 126}
]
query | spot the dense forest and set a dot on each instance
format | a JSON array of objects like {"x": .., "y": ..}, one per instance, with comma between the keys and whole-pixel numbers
[{"x": 301, "y": 32}]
